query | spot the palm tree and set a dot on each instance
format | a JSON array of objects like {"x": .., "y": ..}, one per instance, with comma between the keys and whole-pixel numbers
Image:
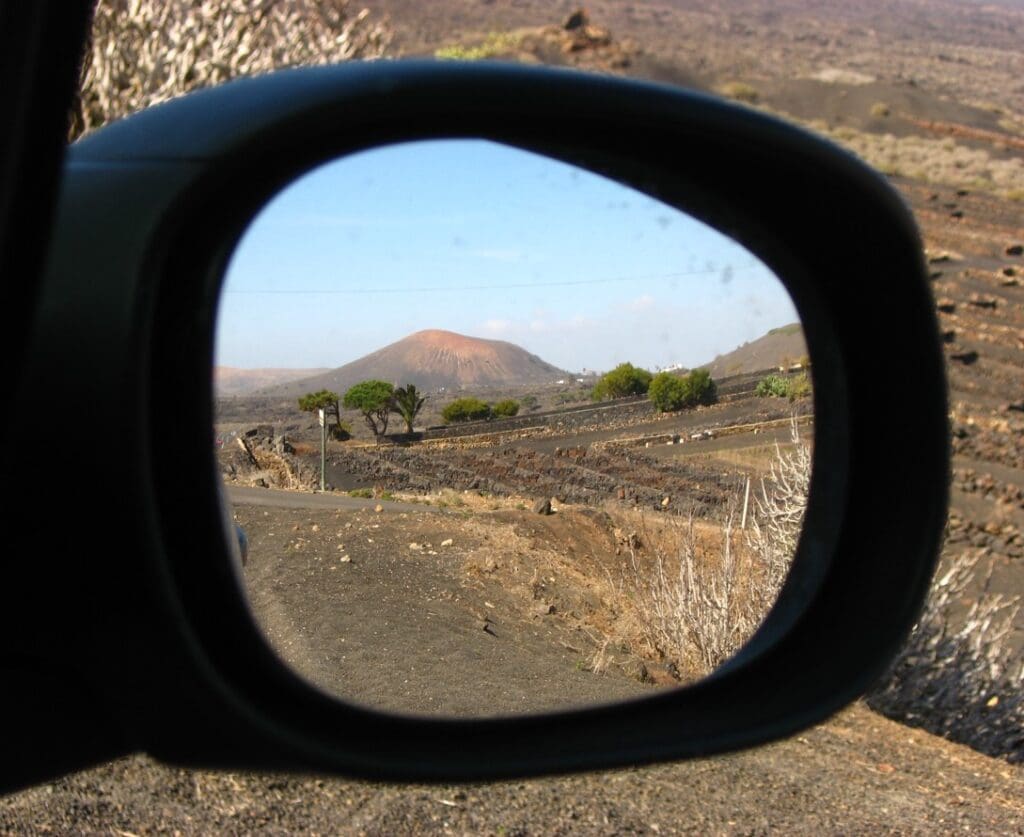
[{"x": 407, "y": 402}]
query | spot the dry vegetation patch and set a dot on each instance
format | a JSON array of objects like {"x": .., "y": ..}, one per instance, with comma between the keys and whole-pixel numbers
[
  {"x": 145, "y": 52},
  {"x": 957, "y": 676},
  {"x": 932, "y": 160}
]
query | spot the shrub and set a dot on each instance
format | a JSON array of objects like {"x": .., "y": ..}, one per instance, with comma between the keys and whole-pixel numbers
[
  {"x": 341, "y": 432},
  {"x": 496, "y": 44},
  {"x": 670, "y": 392},
  {"x": 937, "y": 160},
  {"x": 700, "y": 387},
  {"x": 964, "y": 684},
  {"x": 799, "y": 386},
  {"x": 505, "y": 409},
  {"x": 465, "y": 409},
  {"x": 457, "y": 52},
  {"x": 778, "y": 509},
  {"x": 740, "y": 91},
  {"x": 956, "y": 676},
  {"x": 774, "y": 385},
  {"x": 699, "y": 607},
  {"x": 624, "y": 380},
  {"x": 667, "y": 392},
  {"x": 148, "y": 51},
  {"x": 573, "y": 396}
]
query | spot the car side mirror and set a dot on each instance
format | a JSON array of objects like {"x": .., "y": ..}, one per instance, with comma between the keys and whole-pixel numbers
[{"x": 152, "y": 210}]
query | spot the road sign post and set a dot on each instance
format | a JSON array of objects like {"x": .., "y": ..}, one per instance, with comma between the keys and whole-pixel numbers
[{"x": 323, "y": 451}]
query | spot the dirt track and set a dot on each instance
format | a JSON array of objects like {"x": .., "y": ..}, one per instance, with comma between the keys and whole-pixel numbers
[
  {"x": 380, "y": 630},
  {"x": 405, "y": 611},
  {"x": 857, "y": 774}
]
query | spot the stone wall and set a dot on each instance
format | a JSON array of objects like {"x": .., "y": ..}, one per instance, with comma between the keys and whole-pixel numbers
[{"x": 571, "y": 417}]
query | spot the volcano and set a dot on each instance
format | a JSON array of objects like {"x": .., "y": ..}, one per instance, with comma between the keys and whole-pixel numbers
[{"x": 434, "y": 360}]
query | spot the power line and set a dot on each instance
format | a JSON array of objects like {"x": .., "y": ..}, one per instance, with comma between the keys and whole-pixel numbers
[{"x": 412, "y": 289}]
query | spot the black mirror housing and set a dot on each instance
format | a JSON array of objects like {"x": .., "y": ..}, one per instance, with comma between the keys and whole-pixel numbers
[{"x": 154, "y": 636}]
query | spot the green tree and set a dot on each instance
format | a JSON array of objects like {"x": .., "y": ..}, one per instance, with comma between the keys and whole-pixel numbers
[
  {"x": 324, "y": 400},
  {"x": 374, "y": 400},
  {"x": 465, "y": 409},
  {"x": 505, "y": 409},
  {"x": 700, "y": 387},
  {"x": 667, "y": 392},
  {"x": 625, "y": 379},
  {"x": 407, "y": 403}
]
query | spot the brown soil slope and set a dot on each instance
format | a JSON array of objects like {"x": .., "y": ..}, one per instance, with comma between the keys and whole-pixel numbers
[
  {"x": 942, "y": 49},
  {"x": 779, "y": 347}
]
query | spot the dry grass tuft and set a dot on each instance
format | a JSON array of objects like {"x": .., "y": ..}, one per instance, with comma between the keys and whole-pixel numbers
[{"x": 739, "y": 91}]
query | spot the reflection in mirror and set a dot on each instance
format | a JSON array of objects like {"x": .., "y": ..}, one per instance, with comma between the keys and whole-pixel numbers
[{"x": 566, "y": 430}]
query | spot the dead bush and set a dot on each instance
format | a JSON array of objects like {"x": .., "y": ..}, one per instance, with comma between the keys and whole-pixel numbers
[
  {"x": 147, "y": 51},
  {"x": 956, "y": 676},
  {"x": 931, "y": 159},
  {"x": 699, "y": 606},
  {"x": 962, "y": 683},
  {"x": 690, "y": 605},
  {"x": 779, "y": 505}
]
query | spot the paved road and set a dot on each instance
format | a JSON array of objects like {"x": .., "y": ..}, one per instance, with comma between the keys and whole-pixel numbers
[{"x": 244, "y": 496}]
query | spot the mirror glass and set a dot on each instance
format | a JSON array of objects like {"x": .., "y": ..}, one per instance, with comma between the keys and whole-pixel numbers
[{"x": 565, "y": 430}]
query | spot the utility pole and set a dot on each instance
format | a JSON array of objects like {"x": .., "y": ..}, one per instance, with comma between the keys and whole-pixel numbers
[
  {"x": 746, "y": 499},
  {"x": 323, "y": 451}
]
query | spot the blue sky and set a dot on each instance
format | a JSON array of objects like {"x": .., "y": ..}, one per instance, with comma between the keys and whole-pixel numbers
[{"x": 493, "y": 242}]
